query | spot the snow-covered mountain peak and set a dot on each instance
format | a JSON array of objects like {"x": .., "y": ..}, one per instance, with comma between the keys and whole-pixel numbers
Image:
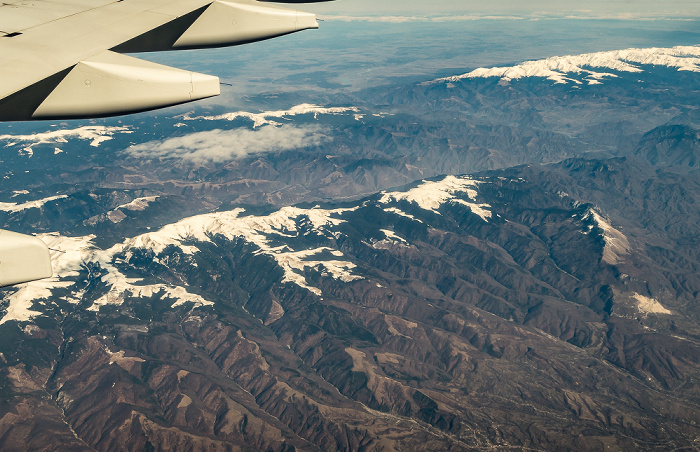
[
  {"x": 430, "y": 195},
  {"x": 616, "y": 244},
  {"x": 591, "y": 68}
]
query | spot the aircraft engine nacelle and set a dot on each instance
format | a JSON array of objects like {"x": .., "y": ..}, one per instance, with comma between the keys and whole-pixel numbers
[
  {"x": 113, "y": 84},
  {"x": 227, "y": 23},
  {"x": 23, "y": 258}
]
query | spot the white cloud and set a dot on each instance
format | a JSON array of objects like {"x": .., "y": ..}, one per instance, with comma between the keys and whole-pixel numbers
[
  {"x": 222, "y": 145},
  {"x": 406, "y": 19},
  {"x": 389, "y": 19},
  {"x": 539, "y": 15},
  {"x": 628, "y": 16}
]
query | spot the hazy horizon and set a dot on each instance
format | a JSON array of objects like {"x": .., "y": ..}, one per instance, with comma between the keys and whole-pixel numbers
[{"x": 630, "y": 9}]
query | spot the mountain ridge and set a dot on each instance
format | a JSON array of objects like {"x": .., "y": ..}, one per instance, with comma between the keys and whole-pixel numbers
[
  {"x": 476, "y": 298},
  {"x": 682, "y": 58}
]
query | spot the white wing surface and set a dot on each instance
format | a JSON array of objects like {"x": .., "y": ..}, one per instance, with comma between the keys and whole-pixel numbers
[{"x": 64, "y": 58}]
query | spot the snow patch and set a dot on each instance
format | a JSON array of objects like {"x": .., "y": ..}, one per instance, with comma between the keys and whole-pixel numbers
[
  {"x": 391, "y": 235},
  {"x": 117, "y": 215},
  {"x": 69, "y": 255},
  {"x": 139, "y": 203},
  {"x": 400, "y": 212},
  {"x": 647, "y": 305},
  {"x": 276, "y": 312},
  {"x": 616, "y": 244},
  {"x": 14, "y": 207},
  {"x": 20, "y": 303},
  {"x": 120, "y": 359},
  {"x": 392, "y": 239},
  {"x": 295, "y": 262}
]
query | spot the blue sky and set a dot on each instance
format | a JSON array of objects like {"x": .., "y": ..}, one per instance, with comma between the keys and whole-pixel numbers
[{"x": 613, "y": 8}]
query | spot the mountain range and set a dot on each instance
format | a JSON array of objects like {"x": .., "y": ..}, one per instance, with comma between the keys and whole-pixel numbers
[{"x": 456, "y": 264}]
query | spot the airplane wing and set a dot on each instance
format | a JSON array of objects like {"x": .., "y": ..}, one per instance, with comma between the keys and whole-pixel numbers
[
  {"x": 66, "y": 59},
  {"x": 22, "y": 258}
]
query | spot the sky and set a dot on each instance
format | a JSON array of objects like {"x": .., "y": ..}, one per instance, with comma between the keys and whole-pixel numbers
[{"x": 611, "y": 8}]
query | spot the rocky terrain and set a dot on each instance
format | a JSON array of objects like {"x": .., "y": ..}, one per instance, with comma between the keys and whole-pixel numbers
[
  {"x": 217, "y": 296},
  {"x": 460, "y": 312}
]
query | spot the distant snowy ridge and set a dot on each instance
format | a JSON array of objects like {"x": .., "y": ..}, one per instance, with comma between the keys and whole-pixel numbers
[
  {"x": 15, "y": 207},
  {"x": 266, "y": 117},
  {"x": 561, "y": 69},
  {"x": 95, "y": 134}
]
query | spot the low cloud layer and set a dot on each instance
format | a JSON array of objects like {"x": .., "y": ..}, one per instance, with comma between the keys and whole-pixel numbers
[
  {"x": 405, "y": 19},
  {"x": 540, "y": 15},
  {"x": 624, "y": 9},
  {"x": 222, "y": 145}
]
